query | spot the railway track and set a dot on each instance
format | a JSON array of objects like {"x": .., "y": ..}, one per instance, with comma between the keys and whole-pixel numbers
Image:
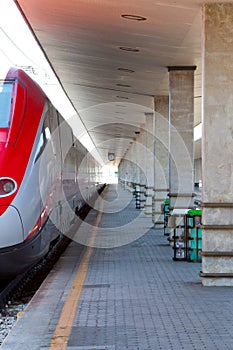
[
  {"x": 16, "y": 293},
  {"x": 6, "y": 289},
  {"x": 25, "y": 285}
]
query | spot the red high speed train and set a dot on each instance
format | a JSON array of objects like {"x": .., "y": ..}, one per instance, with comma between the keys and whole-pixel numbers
[{"x": 46, "y": 175}]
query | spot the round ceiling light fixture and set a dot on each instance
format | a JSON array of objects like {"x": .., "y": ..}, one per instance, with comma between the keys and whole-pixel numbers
[
  {"x": 122, "y": 97},
  {"x": 126, "y": 70},
  {"x": 123, "y": 85},
  {"x": 134, "y": 17},
  {"x": 131, "y": 49}
]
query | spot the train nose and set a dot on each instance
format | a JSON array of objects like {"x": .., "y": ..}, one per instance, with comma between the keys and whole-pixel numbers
[{"x": 11, "y": 227}]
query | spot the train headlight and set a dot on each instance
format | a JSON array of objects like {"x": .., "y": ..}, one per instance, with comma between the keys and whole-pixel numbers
[{"x": 7, "y": 186}]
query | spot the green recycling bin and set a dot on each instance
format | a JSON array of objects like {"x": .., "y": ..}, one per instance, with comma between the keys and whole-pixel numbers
[
  {"x": 194, "y": 234},
  {"x": 166, "y": 212}
]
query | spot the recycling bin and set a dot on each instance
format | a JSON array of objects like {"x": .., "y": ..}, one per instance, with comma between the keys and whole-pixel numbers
[
  {"x": 166, "y": 213},
  {"x": 194, "y": 234},
  {"x": 137, "y": 196}
]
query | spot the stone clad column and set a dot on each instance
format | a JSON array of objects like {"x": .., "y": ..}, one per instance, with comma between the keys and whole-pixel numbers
[
  {"x": 121, "y": 171},
  {"x": 161, "y": 162},
  {"x": 149, "y": 158},
  {"x": 130, "y": 165},
  {"x": 217, "y": 219},
  {"x": 181, "y": 119},
  {"x": 136, "y": 160},
  {"x": 142, "y": 163},
  {"x": 128, "y": 169},
  {"x": 134, "y": 179}
]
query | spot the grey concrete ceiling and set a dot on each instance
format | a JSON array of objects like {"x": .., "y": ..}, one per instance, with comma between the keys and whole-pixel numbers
[{"x": 111, "y": 67}]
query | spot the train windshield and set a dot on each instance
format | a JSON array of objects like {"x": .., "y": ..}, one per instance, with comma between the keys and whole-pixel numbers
[{"x": 5, "y": 103}]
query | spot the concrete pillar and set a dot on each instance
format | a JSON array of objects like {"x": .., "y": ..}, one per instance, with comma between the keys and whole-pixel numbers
[
  {"x": 137, "y": 162},
  {"x": 217, "y": 265},
  {"x": 141, "y": 144},
  {"x": 127, "y": 167},
  {"x": 127, "y": 172},
  {"x": 198, "y": 171},
  {"x": 149, "y": 157},
  {"x": 133, "y": 163},
  {"x": 181, "y": 119},
  {"x": 122, "y": 171},
  {"x": 161, "y": 162}
]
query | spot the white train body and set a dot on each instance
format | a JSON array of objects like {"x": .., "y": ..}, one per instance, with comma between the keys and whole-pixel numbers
[{"x": 46, "y": 175}]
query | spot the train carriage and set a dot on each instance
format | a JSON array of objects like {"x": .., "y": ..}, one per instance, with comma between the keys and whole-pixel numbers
[{"x": 45, "y": 174}]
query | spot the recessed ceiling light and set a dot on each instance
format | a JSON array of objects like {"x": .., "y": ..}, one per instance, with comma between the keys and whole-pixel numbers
[
  {"x": 126, "y": 70},
  {"x": 134, "y": 17},
  {"x": 123, "y": 85},
  {"x": 132, "y": 49},
  {"x": 122, "y": 97}
]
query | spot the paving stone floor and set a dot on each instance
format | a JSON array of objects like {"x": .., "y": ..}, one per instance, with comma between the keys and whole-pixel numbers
[{"x": 135, "y": 297}]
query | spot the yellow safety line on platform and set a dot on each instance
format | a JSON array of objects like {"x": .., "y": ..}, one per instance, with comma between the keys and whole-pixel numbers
[{"x": 63, "y": 329}]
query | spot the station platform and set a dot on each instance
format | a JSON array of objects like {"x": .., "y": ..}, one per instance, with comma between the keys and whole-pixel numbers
[{"x": 124, "y": 292}]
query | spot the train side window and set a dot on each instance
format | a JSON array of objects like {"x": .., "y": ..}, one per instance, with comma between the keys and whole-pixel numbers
[
  {"x": 44, "y": 138},
  {"x": 40, "y": 147},
  {"x": 47, "y": 134}
]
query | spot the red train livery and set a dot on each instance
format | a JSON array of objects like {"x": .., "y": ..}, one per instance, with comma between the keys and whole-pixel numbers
[{"x": 46, "y": 175}]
